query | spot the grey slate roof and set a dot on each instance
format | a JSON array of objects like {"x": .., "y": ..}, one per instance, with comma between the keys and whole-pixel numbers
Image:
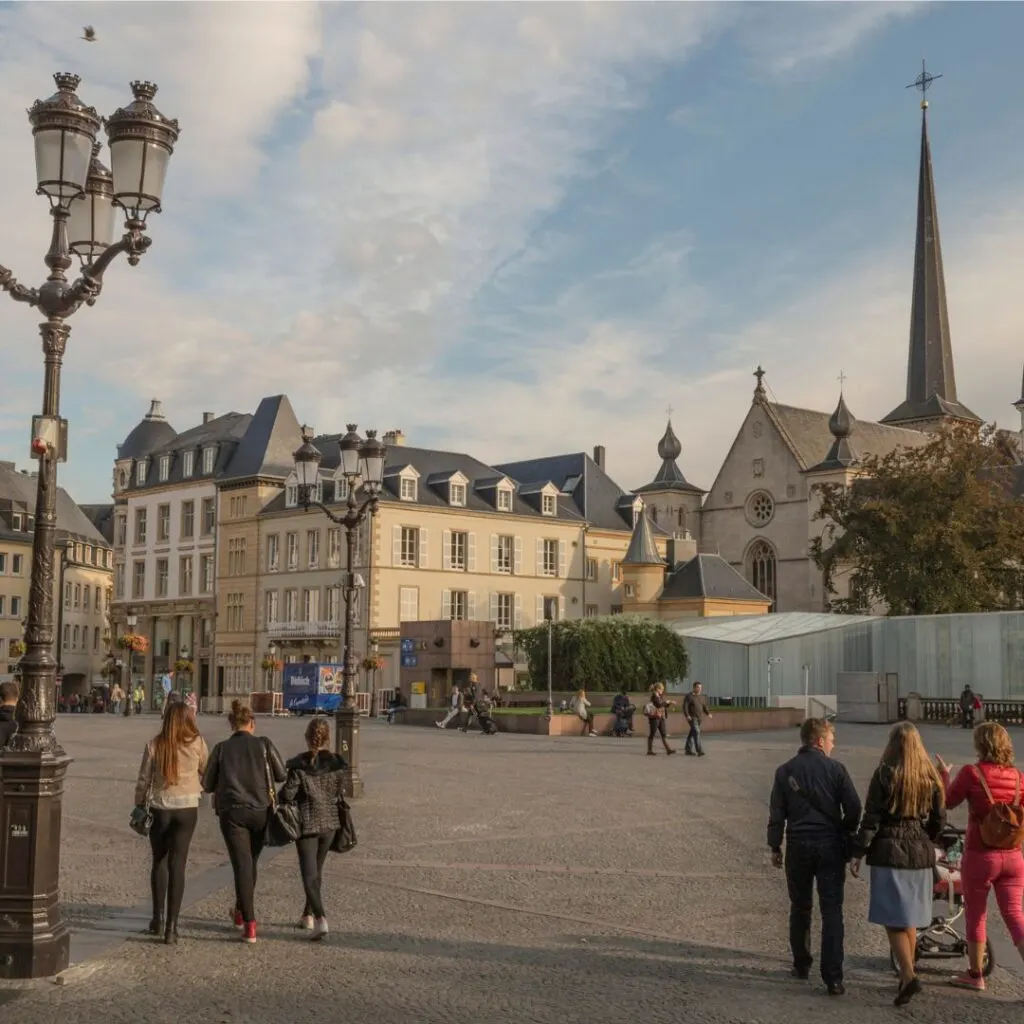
[
  {"x": 249, "y": 445},
  {"x": 72, "y": 522},
  {"x": 435, "y": 468},
  {"x": 594, "y": 495},
  {"x": 669, "y": 476},
  {"x": 642, "y": 550},
  {"x": 931, "y": 381},
  {"x": 808, "y": 432},
  {"x": 102, "y": 517},
  {"x": 708, "y": 576},
  {"x": 149, "y": 433}
]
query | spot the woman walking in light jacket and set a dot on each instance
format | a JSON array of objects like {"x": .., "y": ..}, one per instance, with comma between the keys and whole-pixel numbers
[{"x": 170, "y": 781}]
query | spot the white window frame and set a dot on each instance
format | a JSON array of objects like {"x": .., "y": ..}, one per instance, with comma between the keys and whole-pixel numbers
[
  {"x": 165, "y": 468},
  {"x": 209, "y": 460},
  {"x": 291, "y": 550},
  {"x": 140, "y": 472},
  {"x": 457, "y": 494},
  {"x": 407, "y": 603},
  {"x": 273, "y": 552},
  {"x": 504, "y": 502},
  {"x": 408, "y": 487},
  {"x": 188, "y": 462},
  {"x": 548, "y": 504},
  {"x": 313, "y": 549},
  {"x": 271, "y": 606}
]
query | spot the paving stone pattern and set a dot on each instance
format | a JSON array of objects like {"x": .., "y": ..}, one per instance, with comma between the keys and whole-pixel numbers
[{"x": 498, "y": 879}]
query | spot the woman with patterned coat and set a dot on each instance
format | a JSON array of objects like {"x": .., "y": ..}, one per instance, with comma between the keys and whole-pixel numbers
[{"x": 316, "y": 785}]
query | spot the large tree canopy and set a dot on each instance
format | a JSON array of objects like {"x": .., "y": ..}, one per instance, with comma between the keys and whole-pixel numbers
[
  {"x": 602, "y": 654},
  {"x": 929, "y": 530}
]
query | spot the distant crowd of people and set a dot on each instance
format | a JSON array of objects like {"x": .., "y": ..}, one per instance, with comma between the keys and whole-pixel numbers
[{"x": 816, "y": 812}]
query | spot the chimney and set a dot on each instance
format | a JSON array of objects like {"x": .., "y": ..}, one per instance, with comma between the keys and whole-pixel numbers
[
  {"x": 207, "y": 416},
  {"x": 394, "y": 438},
  {"x": 155, "y": 411},
  {"x": 599, "y": 456}
]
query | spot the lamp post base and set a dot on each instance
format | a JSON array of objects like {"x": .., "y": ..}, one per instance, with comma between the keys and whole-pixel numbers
[
  {"x": 346, "y": 743},
  {"x": 34, "y": 941}
]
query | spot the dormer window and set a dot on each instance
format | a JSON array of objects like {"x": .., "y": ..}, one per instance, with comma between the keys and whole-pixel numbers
[
  {"x": 341, "y": 490},
  {"x": 457, "y": 494},
  {"x": 548, "y": 504},
  {"x": 165, "y": 468},
  {"x": 407, "y": 490},
  {"x": 16, "y": 522},
  {"x": 188, "y": 461},
  {"x": 291, "y": 495},
  {"x": 504, "y": 499},
  {"x": 140, "y": 472},
  {"x": 209, "y": 454}
]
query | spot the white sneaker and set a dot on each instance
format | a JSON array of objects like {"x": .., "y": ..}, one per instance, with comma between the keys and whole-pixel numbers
[
  {"x": 440, "y": 725},
  {"x": 320, "y": 929},
  {"x": 306, "y": 923}
]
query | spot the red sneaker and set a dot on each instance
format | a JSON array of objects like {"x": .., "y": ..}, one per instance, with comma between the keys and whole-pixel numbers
[
  {"x": 968, "y": 981},
  {"x": 249, "y": 932},
  {"x": 236, "y": 917}
]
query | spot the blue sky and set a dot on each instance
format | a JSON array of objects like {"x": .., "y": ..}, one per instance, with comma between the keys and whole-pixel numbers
[{"x": 517, "y": 230}]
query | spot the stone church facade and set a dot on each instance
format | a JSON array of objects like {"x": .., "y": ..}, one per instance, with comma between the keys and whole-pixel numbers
[{"x": 758, "y": 514}]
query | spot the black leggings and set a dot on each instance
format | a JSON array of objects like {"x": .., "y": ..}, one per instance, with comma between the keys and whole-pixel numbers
[
  {"x": 244, "y": 830},
  {"x": 657, "y": 726},
  {"x": 312, "y": 852},
  {"x": 170, "y": 839}
]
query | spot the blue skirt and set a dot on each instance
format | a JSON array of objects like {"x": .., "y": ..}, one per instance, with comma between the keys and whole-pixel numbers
[{"x": 901, "y": 898}]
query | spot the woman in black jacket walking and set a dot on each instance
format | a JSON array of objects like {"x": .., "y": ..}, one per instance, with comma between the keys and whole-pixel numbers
[
  {"x": 316, "y": 785},
  {"x": 657, "y": 712},
  {"x": 241, "y": 774},
  {"x": 903, "y": 815}
]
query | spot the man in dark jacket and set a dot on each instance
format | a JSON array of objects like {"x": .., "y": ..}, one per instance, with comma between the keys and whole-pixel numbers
[
  {"x": 967, "y": 701},
  {"x": 8, "y": 705},
  {"x": 815, "y": 805}
]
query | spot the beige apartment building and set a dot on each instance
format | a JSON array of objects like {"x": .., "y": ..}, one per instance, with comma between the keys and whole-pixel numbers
[
  {"x": 82, "y": 577},
  {"x": 453, "y": 538}
]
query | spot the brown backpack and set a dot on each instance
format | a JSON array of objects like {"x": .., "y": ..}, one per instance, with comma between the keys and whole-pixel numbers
[{"x": 1002, "y": 828}]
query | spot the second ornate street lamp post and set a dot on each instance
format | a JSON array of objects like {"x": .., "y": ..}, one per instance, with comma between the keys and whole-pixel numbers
[
  {"x": 83, "y": 194},
  {"x": 362, "y": 465},
  {"x": 129, "y": 707}
]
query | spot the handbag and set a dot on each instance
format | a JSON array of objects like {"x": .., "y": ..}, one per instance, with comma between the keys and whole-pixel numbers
[
  {"x": 283, "y": 826},
  {"x": 140, "y": 821},
  {"x": 345, "y": 838}
]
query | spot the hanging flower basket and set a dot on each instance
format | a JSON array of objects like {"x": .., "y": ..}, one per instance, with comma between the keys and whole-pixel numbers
[
  {"x": 373, "y": 664},
  {"x": 135, "y": 642},
  {"x": 271, "y": 664},
  {"x": 16, "y": 648},
  {"x": 183, "y": 665}
]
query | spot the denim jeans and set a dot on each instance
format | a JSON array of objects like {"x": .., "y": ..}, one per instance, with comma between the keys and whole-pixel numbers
[
  {"x": 693, "y": 744},
  {"x": 822, "y": 864}
]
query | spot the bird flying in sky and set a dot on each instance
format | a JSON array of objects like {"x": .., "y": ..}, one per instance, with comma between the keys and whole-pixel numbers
[{"x": 89, "y": 34}]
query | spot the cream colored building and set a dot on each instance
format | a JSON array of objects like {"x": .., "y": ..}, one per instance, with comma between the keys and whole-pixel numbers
[
  {"x": 453, "y": 538},
  {"x": 82, "y": 576}
]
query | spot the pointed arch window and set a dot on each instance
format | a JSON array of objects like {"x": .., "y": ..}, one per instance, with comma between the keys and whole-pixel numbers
[{"x": 761, "y": 570}]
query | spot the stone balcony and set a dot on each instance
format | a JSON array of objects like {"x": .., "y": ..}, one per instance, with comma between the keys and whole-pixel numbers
[{"x": 317, "y": 630}]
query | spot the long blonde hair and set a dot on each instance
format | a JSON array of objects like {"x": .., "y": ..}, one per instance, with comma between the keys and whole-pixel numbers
[{"x": 914, "y": 778}]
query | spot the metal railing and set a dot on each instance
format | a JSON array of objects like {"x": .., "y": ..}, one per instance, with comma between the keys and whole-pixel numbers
[
  {"x": 947, "y": 709},
  {"x": 319, "y": 630}
]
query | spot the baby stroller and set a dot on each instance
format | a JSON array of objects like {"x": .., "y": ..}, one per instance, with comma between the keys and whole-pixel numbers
[
  {"x": 940, "y": 940},
  {"x": 482, "y": 708}
]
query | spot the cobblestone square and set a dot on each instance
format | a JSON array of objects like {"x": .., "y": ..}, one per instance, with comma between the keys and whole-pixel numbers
[{"x": 508, "y": 878}]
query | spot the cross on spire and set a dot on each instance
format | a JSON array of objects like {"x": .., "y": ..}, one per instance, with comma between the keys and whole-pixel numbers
[
  {"x": 759, "y": 374},
  {"x": 923, "y": 83},
  {"x": 669, "y": 411},
  {"x": 842, "y": 380}
]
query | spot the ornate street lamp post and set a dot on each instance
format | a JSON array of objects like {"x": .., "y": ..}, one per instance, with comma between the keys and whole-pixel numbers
[
  {"x": 129, "y": 707},
  {"x": 83, "y": 195},
  {"x": 362, "y": 465}
]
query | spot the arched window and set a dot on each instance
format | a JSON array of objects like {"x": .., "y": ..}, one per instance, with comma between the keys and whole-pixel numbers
[{"x": 761, "y": 570}]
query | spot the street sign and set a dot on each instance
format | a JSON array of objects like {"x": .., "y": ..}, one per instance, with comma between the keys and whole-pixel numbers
[
  {"x": 774, "y": 661},
  {"x": 410, "y": 660},
  {"x": 408, "y": 646}
]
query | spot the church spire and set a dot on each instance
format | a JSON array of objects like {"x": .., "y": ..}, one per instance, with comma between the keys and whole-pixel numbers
[
  {"x": 931, "y": 382},
  {"x": 669, "y": 477}
]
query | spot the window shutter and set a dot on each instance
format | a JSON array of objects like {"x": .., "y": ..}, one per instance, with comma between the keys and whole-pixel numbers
[
  {"x": 423, "y": 549},
  {"x": 494, "y": 552},
  {"x": 494, "y": 607},
  {"x": 446, "y": 604},
  {"x": 471, "y": 606},
  {"x": 471, "y": 552},
  {"x": 396, "y": 546},
  {"x": 561, "y": 608},
  {"x": 446, "y": 548},
  {"x": 540, "y": 558},
  {"x": 561, "y": 558},
  {"x": 540, "y": 610},
  {"x": 517, "y": 565},
  {"x": 517, "y": 622}
]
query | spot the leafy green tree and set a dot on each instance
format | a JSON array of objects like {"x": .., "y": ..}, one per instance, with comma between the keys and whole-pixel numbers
[
  {"x": 929, "y": 530},
  {"x": 604, "y": 653}
]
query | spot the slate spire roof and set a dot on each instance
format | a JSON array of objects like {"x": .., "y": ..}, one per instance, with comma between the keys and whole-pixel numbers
[
  {"x": 642, "y": 550},
  {"x": 669, "y": 477},
  {"x": 931, "y": 382},
  {"x": 151, "y": 432},
  {"x": 840, "y": 425}
]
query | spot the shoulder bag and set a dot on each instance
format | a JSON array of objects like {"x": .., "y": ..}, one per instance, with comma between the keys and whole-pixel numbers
[
  {"x": 345, "y": 837},
  {"x": 283, "y": 825},
  {"x": 815, "y": 804},
  {"x": 140, "y": 821}
]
